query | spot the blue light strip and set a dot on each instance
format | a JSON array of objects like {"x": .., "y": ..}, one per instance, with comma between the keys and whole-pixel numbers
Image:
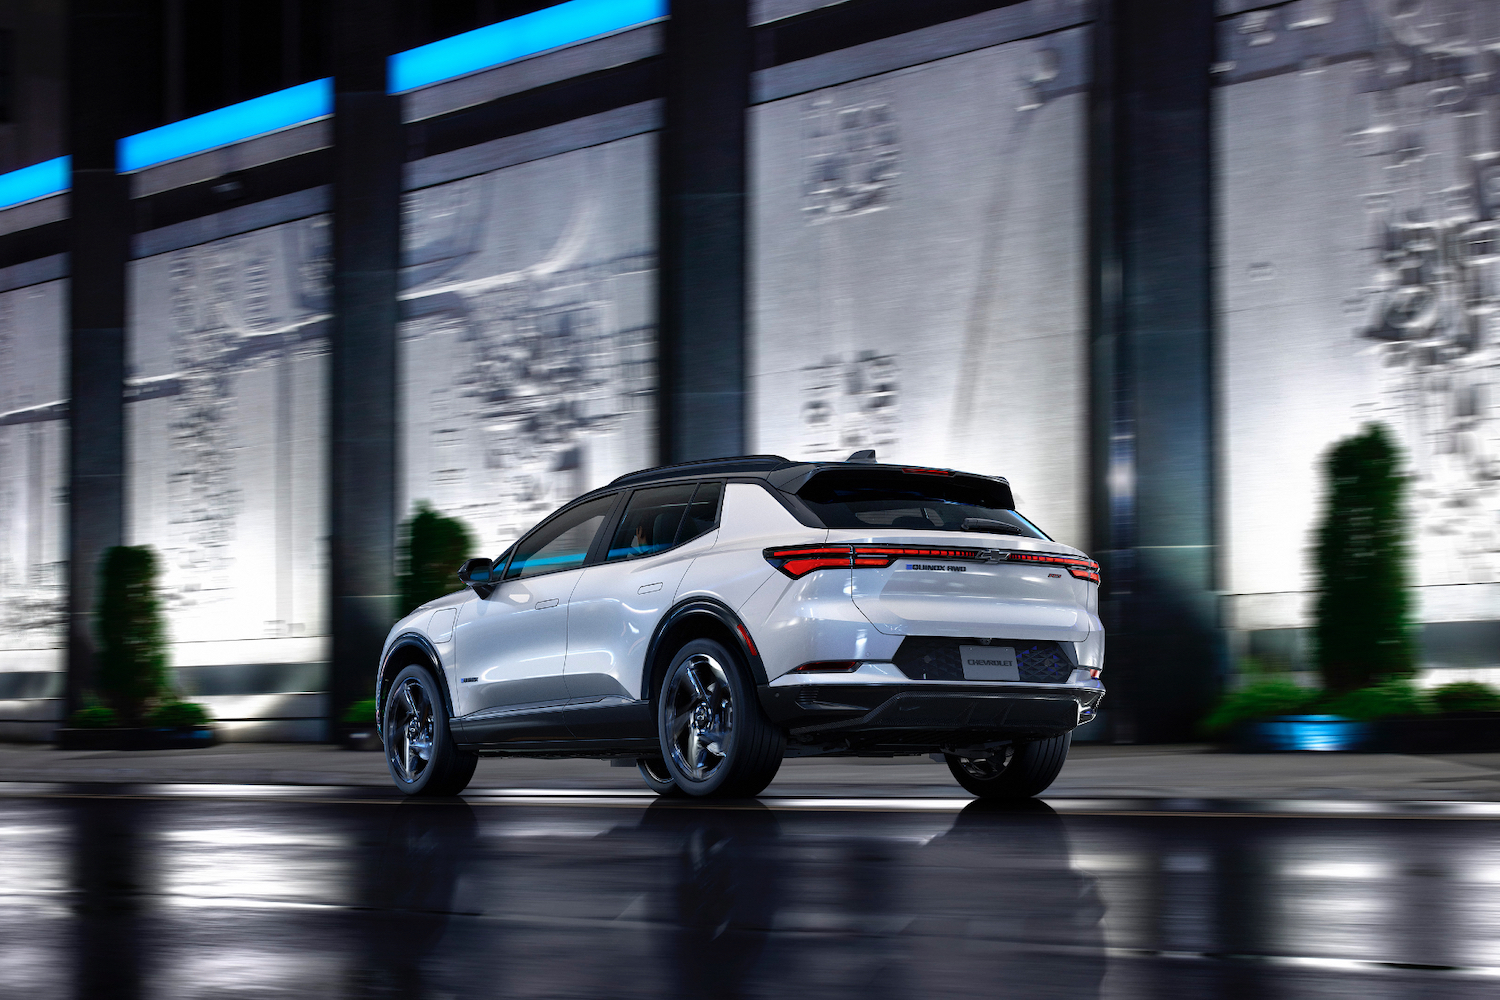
[
  {"x": 223, "y": 126},
  {"x": 36, "y": 181},
  {"x": 516, "y": 38}
]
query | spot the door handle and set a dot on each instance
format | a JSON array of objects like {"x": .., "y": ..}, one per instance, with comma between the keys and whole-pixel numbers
[
  {"x": 649, "y": 588},
  {"x": 542, "y": 605}
]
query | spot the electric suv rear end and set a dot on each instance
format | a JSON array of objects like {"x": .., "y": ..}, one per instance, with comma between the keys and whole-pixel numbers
[{"x": 704, "y": 621}]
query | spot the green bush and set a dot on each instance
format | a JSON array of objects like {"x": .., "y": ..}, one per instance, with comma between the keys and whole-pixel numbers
[
  {"x": 433, "y": 547},
  {"x": 1259, "y": 700},
  {"x": 361, "y": 713},
  {"x": 1364, "y": 631},
  {"x": 179, "y": 715},
  {"x": 132, "y": 651},
  {"x": 1398, "y": 697},
  {"x": 1466, "y": 696},
  {"x": 94, "y": 717}
]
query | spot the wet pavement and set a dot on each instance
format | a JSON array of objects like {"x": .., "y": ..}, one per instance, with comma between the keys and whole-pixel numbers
[{"x": 267, "y": 891}]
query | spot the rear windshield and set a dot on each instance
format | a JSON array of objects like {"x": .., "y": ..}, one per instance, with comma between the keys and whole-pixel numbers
[{"x": 883, "y": 499}]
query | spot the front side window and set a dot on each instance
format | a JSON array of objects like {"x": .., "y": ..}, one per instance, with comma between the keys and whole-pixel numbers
[
  {"x": 651, "y": 521},
  {"x": 887, "y": 499},
  {"x": 562, "y": 543}
]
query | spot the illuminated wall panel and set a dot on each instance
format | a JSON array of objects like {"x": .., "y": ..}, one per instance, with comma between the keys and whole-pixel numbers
[
  {"x": 528, "y": 335},
  {"x": 227, "y": 437},
  {"x": 919, "y": 266},
  {"x": 33, "y": 478},
  {"x": 1359, "y": 251}
]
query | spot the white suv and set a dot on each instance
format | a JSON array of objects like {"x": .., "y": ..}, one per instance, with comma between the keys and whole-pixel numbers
[{"x": 703, "y": 621}]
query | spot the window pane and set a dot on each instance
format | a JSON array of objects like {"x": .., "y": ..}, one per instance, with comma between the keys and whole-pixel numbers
[
  {"x": 650, "y": 521},
  {"x": 703, "y": 514},
  {"x": 561, "y": 543},
  {"x": 885, "y": 499}
]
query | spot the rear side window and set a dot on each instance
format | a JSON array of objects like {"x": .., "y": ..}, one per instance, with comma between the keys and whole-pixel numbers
[
  {"x": 703, "y": 513},
  {"x": 651, "y": 521},
  {"x": 915, "y": 501},
  {"x": 659, "y": 518},
  {"x": 562, "y": 543}
]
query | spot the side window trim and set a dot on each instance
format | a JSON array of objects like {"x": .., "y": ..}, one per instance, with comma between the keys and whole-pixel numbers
[
  {"x": 619, "y": 514},
  {"x": 723, "y": 485},
  {"x": 515, "y": 546},
  {"x": 599, "y": 547}
]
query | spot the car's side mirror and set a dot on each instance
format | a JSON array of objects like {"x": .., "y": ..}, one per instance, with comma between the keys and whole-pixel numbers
[{"x": 480, "y": 574}]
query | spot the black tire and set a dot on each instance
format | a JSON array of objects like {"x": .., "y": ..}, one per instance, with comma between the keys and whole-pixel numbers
[
  {"x": 656, "y": 776},
  {"x": 1031, "y": 767},
  {"x": 419, "y": 747},
  {"x": 707, "y": 707}
]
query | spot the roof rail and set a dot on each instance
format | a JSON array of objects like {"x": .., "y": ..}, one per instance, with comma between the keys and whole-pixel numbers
[{"x": 706, "y": 466}]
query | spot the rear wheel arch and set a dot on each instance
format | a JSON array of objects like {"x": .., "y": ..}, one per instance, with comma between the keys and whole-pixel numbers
[{"x": 695, "y": 618}]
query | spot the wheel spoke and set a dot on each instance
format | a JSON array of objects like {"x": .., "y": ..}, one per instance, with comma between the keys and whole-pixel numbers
[
  {"x": 698, "y": 690},
  {"x": 678, "y": 724}
]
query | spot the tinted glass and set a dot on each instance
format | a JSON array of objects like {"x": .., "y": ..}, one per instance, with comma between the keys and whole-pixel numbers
[
  {"x": 562, "y": 543},
  {"x": 881, "y": 499},
  {"x": 650, "y": 522},
  {"x": 703, "y": 512}
]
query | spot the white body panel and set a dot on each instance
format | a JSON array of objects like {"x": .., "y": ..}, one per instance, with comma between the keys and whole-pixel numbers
[
  {"x": 612, "y": 615},
  {"x": 934, "y": 596},
  {"x": 735, "y": 568},
  {"x": 514, "y": 643}
]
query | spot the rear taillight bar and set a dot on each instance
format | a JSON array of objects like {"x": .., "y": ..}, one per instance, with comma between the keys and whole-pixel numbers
[{"x": 799, "y": 560}]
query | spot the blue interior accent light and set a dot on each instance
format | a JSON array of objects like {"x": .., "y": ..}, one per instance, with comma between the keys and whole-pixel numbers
[
  {"x": 516, "y": 38},
  {"x": 36, "y": 181},
  {"x": 220, "y": 127}
]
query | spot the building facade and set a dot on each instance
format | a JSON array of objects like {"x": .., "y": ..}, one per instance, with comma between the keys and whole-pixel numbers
[{"x": 272, "y": 275}]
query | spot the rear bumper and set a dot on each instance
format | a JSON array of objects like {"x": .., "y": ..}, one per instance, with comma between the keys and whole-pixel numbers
[{"x": 917, "y": 717}]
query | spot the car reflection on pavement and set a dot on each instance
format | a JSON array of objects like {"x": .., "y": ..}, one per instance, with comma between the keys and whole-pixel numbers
[{"x": 739, "y": 901}]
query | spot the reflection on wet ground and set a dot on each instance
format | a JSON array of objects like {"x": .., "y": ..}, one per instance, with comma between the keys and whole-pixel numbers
[{"x": 111, "y": 895}]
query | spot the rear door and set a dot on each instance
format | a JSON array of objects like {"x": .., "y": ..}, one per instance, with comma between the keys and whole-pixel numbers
[
  {"x": 617, "y": 604},
  {"x": 945, "y": 554},
  {"x": 947, "y": 584}
]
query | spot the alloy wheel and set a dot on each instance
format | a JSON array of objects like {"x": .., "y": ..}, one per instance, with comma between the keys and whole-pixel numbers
[
  {"x": 700, "y": 717},
  {"x": 409, "y": 730}
]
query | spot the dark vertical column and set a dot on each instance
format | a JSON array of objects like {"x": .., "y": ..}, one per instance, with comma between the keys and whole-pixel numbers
[
  {"x": 110, "y": 75},
  {"x": 702, "y": 210},
  {"x": 362, "y": 401},
  {"x": 1152, "y": 356}
]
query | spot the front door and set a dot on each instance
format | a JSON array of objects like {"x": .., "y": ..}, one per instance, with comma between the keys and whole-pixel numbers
[{"x": 510, "y": 651}]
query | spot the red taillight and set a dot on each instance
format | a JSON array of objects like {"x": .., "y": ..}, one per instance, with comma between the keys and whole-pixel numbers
[
  {"x": 1083, "y": 569},
  {"x": 827, "y": 667},
  {"x": 798, "y": 561},
  {"x": 931, "y": 472}
]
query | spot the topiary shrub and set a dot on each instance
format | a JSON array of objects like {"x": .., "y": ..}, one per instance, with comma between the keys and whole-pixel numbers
[
  {"x": 1380, "y": 701},
  {"x": 131, "y": 631},
  {"x": 1466, "y": 696},
  {"x": 1259, "y": 700},
  {"x": 433, "y": 546},
  {"x": 1363, "y": 632},
  {"x": 94, "y": 717},
  {"x": 178, "y": 715}
]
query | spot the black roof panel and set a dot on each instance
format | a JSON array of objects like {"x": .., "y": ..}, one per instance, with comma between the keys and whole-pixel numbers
[{"x": 706, "y": 467}]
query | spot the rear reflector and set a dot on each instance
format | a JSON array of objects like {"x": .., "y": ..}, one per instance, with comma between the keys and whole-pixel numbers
[{"x": 827, "y": 667}]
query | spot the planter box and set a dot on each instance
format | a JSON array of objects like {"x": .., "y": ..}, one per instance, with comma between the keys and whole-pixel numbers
[
  {"x": 1306, "y": 732},
  {"x": 1459, "y": 732},
  {"x": 181, "y": 738},
  {"x": 353, "y": 737}
]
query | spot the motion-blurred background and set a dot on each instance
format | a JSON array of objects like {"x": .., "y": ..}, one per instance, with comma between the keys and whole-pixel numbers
[{"x": 274, "y": 272}]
